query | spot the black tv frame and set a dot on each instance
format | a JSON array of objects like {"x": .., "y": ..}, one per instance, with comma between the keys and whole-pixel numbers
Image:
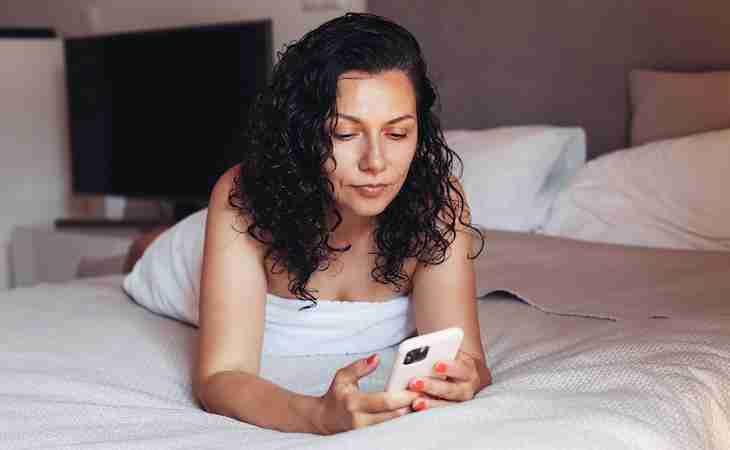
[
  {"x": 182, "y": 205},
  {"x": 27, "y": 33}
]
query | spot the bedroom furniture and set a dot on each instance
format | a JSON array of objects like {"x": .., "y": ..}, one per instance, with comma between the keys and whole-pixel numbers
[
  {"x": 42, "y": 254},
  {"x": 84, "y": 366}
]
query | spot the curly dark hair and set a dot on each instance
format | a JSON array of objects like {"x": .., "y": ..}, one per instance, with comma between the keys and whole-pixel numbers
[{"x": 282, "y": 185}]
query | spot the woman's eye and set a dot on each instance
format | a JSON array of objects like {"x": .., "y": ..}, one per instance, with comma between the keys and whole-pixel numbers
[
  {"x": 344, "y": 136},
  {"x": 398, "y": 136}
]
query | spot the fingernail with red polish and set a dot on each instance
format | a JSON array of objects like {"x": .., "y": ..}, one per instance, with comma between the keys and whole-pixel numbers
[
  {"x": 417, "y": 385},
  {"x": 441, "y": 367},
  {"x": 419, "y": 406},
  {"x": 371, "y": 359}
]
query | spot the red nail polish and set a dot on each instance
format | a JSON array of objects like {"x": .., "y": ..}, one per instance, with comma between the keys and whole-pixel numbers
[
  {"x": 371, "y": 359},
  {"x": 418, "y": 385},
  {"x": 441, "y": 367},
  {"x": 419, "y": 406}
]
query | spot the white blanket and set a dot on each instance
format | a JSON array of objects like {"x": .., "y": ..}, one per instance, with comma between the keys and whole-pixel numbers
[{"x": 82, "y": 366}]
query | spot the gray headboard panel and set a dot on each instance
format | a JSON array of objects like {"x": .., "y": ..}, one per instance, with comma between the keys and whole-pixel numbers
[{"x": 560, "y": 62}]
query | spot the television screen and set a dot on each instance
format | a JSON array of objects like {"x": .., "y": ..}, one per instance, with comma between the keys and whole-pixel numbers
[{"x": 156, "y": 114}]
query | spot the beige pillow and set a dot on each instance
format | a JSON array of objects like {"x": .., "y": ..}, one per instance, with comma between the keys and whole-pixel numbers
[
  {"x": 671, "y": 193},
  {"x": 673, "y": 104}
]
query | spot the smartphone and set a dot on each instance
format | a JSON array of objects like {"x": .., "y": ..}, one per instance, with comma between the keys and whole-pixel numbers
[{"x": 417, "y": 356}]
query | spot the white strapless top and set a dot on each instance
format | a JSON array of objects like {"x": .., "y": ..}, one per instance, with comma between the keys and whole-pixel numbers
[{"x": 334, "y": 327}]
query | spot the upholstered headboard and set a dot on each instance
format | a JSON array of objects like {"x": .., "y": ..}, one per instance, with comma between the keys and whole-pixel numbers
[{"x": 557, "y": 62}]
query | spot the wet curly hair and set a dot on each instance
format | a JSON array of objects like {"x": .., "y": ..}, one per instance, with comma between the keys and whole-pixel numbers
[{"x": 282, "y": 186}]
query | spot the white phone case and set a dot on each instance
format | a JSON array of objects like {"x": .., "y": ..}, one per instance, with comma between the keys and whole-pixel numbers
[{"x": 442, "y": 345}]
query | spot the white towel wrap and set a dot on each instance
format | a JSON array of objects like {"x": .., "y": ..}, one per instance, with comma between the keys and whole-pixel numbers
[
  {"x": 166, "y": 280},
  {"x": 335, "y": 327}
]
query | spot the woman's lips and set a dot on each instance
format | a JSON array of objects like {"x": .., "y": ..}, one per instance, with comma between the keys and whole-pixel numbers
[{"x": 371, "y": 190}]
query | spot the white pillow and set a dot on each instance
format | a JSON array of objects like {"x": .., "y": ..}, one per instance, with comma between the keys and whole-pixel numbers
[
  {"x": 166, "y": 279},
  {"x": 672, "y": 193},
  {"x": 512, "y": 174}
]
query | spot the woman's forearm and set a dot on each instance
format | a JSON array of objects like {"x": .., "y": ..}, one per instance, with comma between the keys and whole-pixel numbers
[{"x": 257, "y": 401}]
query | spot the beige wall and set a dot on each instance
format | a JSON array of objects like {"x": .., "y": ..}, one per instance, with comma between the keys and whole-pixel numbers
[
  {"x": 34, "y": 166},
  {"x": 79, "y": 17}
]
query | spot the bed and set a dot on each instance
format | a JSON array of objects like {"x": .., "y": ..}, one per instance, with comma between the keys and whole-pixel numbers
[
  {"x": 604, "y": 300},
  {"x": 84, "y": 367}
]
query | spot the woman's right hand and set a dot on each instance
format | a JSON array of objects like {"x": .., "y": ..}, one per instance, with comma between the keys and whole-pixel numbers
[{"x": 344, "y": 407}]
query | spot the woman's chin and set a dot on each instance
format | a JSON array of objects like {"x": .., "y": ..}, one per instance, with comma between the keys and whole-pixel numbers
[
  {"x": 362, "y": 209},
  {"x": 369, "y": 210}
]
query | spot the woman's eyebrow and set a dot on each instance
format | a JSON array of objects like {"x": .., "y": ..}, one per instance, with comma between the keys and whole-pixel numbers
[{"x": 390, "y": 122}]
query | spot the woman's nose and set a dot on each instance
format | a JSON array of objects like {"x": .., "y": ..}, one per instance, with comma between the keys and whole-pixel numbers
[{"x": 373, "y": 159}]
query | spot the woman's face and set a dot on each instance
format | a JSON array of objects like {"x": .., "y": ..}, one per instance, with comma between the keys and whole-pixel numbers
[{"x": 374, "y": 141}]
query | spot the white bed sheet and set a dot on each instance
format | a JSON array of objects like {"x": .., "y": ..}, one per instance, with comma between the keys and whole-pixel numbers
[{"x": 82, "y": 366}]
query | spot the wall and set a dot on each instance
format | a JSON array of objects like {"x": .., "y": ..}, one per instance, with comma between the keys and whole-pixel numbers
[
  {"x": 81, "y": 17},
  {"x": 33, "y": 151},
  {"x": 33, "y": 157},
  {"x": 558, "y": 62}
]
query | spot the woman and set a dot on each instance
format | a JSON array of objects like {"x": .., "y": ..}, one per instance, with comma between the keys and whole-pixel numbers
[{"x": 344, "y": 195}]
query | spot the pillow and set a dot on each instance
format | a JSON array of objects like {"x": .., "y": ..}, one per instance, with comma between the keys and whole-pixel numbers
[
  {"x": 671, "y": 193},
  {"x": 512, "y": 174},
  {"x": 166, "y": 279},
  {"x": 671, "y": 104}
]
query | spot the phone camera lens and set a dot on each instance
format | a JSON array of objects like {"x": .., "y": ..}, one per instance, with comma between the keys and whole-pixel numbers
[{"x": 415, "y": 355}]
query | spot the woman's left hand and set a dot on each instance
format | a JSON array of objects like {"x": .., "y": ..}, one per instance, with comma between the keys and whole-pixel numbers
[{"x": 465, "y": 376}]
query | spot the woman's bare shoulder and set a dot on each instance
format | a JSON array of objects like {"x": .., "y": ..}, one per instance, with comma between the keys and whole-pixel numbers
[
  {"x": 227, "y": 222},
  {"x": 220, "y": 196}
]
